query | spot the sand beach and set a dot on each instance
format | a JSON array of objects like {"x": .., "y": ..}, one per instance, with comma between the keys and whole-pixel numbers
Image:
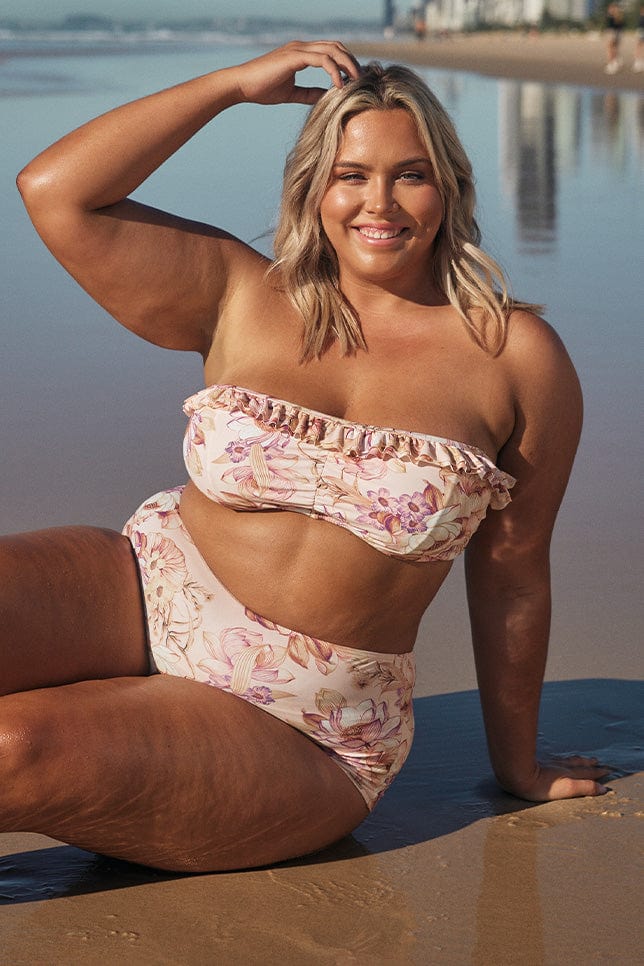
[
  {"x": 448, "y": 870},
  {"x": 555, "y": 58}
]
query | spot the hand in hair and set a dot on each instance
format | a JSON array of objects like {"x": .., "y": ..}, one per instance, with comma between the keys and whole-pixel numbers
[{"x": 270, "y": 79}]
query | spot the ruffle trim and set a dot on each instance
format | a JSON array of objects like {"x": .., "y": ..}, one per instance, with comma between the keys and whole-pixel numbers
[{"x": 355, "y": 440}]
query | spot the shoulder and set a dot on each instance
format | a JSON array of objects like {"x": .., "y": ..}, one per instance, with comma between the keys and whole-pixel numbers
[
  {"x": 528, "y": 331},
  {"x": 540, "y": 449},
  {"x": 537, "y": 360},
  {"x": 548, "y": 409}
]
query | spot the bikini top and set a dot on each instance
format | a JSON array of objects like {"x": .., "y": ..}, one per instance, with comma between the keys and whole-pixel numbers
[{"x": 406, "y": 494}]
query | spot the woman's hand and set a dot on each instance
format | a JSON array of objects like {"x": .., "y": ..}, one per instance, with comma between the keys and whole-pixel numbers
[
  {"x": 570, "y": 776},
  {"x": 270, "y": 79}
]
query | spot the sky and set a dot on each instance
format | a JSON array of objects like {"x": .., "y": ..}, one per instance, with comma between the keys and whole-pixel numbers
[{"x": 53, "y": 10}]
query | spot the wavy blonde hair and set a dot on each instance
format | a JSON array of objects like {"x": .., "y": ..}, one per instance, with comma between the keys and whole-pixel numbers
[{"x": 304, "y": 258}]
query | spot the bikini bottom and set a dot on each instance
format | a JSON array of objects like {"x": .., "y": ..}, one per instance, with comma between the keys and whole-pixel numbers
[{"x": 354, "y": 704}]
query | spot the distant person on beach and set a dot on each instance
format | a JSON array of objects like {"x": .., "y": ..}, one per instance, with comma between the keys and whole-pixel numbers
[
  {"x": 638, "y": 59},
  {"x": 228, "y": 683},
  {"x": 614, "y": 27}
]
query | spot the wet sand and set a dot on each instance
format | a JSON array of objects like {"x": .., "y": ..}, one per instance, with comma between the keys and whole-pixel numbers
[
  {"x": 554, "y": 58},
  {"x": 446, "y": 871}
]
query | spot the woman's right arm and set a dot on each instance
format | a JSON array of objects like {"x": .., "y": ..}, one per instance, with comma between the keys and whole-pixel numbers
[{"x": 162, "y": 276}]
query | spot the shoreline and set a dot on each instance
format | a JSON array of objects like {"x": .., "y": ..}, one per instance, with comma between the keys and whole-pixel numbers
[{"x": 575, "y": 59}]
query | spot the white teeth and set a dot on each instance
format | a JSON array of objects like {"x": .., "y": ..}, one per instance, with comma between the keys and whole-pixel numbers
[{"x": 380, "y": 232}]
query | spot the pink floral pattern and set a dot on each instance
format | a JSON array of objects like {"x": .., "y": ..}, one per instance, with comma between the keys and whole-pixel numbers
[
  {"x": 410, "y": 495},
  {"x": 355, "y": 704}
]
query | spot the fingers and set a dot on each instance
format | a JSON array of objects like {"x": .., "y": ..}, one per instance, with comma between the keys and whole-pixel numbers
[
  {"x": 307, "y": 95},
  {"x": 574, "y": 760},
  {"x": 580, "y": 777},
  {"x": 575, "y": 788},
  {"x": 330, "y": 55},
  {"x": 336, "y": 60},
  {"x": 573, "y": 777},
  {"x": 270, "y": 79},
  {"x": 581, "y": 765}
]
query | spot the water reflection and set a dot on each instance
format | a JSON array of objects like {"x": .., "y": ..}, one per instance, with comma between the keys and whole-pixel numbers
[
  {"x": 541, "y": 139},
  {"x": 508, "y": 904},
  {"x": 617, "y": 128},
  {"x": 539, "y": 130}
]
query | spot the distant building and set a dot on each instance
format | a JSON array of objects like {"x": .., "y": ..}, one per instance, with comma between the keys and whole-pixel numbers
[{"x": 469, "y": 14}]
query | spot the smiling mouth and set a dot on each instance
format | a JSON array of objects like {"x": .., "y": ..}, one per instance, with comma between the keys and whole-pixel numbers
[{"x": 379, "y": 232}]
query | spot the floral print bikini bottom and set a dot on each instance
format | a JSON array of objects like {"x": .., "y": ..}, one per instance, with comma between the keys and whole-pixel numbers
[{"x": 355, "y": 704}]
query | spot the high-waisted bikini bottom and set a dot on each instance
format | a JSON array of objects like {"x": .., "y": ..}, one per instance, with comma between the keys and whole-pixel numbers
[{"x": 355, "y": 704}]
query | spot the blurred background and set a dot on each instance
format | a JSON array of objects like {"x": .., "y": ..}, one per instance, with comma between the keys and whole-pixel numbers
[{"x": 252, "y": 17}]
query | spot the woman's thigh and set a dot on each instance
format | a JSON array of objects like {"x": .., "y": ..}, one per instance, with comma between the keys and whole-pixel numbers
[
  {"x": 70, "y": 608},
  {"x": 170, "y": 773}
]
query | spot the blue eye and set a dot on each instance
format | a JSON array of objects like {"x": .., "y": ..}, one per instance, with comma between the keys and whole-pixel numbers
[{"x": 412, "y": 176}]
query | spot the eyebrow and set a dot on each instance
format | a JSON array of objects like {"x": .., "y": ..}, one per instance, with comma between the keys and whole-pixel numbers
[{"x": 399, "y": 164}]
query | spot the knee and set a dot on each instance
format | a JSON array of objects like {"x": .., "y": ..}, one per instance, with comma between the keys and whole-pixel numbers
[
  {"x": 25, "y": 747},
  {"x": 25, "y": 735}
]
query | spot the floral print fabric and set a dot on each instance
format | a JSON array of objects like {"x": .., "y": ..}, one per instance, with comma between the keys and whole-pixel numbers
[
  {"x": 355, "y": 704},
  {"x": 411, "y": 495}
]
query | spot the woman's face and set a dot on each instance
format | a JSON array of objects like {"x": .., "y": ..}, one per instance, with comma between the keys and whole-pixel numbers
[{"x": 381, "y": 210}]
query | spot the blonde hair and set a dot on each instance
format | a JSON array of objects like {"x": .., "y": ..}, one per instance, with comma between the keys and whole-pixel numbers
[{"x": 305, "y": 260}]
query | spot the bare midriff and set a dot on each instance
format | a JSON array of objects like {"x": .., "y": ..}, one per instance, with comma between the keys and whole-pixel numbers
[{"x": 292, "y": 570}]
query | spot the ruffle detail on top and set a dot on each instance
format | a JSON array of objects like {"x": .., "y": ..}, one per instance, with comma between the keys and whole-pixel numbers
[{"x": 355, "y": 440}]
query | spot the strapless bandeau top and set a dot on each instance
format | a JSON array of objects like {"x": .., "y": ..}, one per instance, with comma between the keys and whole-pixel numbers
[{"x": 406, "y": 494}]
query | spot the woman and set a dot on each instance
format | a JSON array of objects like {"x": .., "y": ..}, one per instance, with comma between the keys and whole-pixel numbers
[
  {"x": 638, "y": 57},
  {"x": 284, "y": 708}
]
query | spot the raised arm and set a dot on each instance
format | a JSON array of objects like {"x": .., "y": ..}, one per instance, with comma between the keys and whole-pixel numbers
[
  {"x": 508, "y": 573},
  {"x": 162, "y": 276}
]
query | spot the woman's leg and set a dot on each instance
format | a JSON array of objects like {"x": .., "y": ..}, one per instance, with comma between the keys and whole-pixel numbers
[
  {"x": 158, "y": 770},
  {"x": 70, "y": 608},
  {"x": 167, "y": 772}
]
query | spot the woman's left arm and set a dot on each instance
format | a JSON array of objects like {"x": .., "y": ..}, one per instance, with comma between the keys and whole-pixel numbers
[{"x": 508, "y": 572}]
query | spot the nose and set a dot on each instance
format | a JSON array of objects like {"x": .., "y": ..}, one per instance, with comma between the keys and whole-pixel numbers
[{"x": 380, "y": 197}]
